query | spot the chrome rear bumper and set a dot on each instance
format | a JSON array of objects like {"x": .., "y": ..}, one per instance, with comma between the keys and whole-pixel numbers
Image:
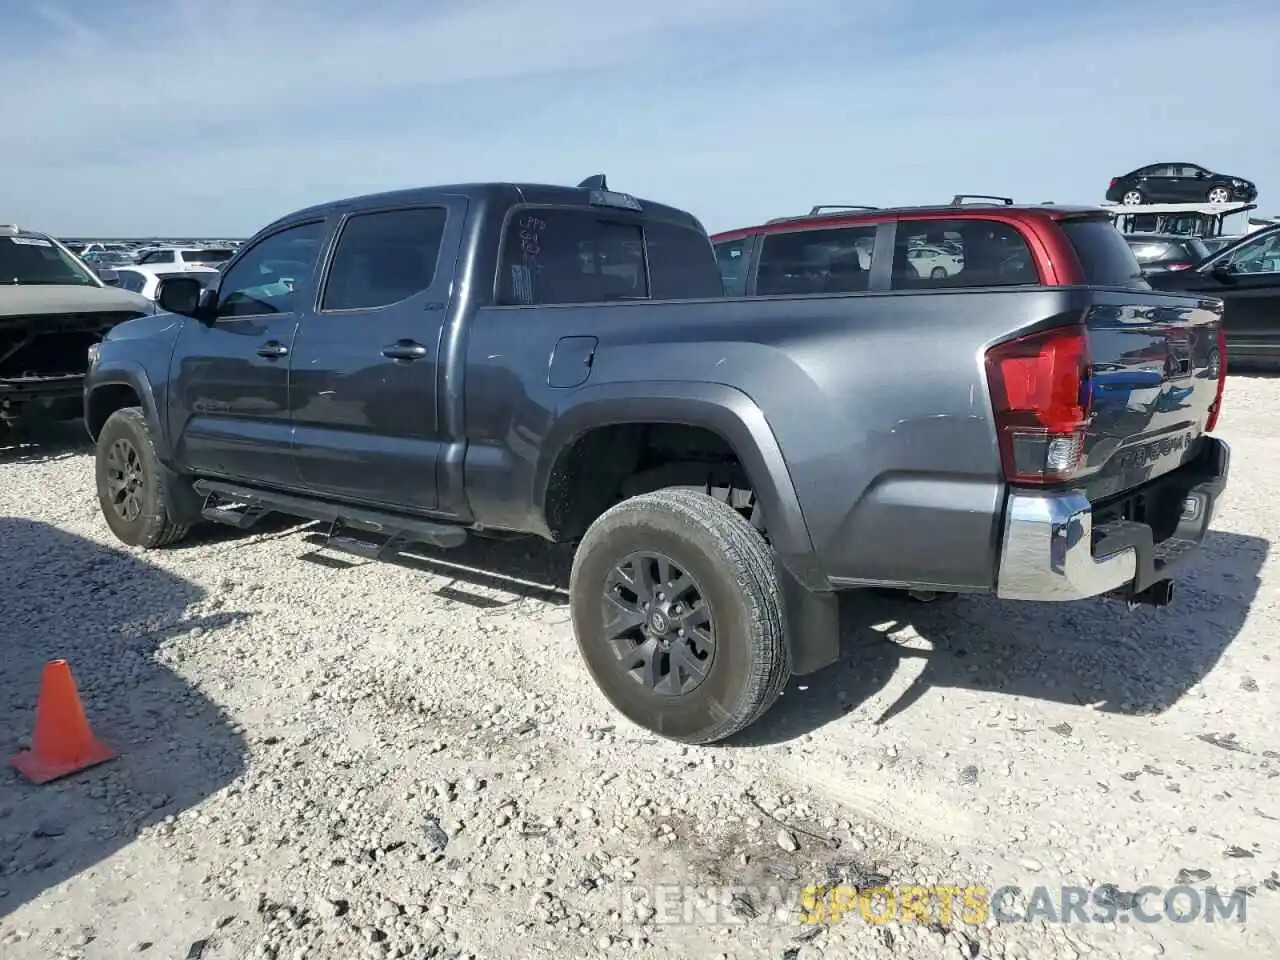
[{"x": 1048, "y": 550}]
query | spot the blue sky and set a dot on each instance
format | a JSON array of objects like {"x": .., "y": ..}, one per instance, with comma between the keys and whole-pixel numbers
[{"x": 215, "y": 116}]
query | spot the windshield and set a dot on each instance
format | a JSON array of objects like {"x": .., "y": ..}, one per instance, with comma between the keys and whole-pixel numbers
[{"x": 35, "y": 260}]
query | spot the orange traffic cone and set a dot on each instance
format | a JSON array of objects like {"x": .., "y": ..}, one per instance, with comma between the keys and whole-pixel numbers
[{"x": 62, "y": 743}]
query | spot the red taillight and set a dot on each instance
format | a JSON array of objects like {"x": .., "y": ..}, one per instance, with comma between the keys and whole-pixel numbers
[
  {"x": 1114, "y": 181},
  {"x": 1040, "y": 393},
  {"x": 1216, "y": 410}
]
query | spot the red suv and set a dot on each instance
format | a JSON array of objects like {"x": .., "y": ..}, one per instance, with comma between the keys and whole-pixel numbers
[{"x": 994, "y": 242}]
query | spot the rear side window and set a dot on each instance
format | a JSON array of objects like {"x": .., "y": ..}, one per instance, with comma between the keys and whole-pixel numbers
[
  {"x": 1103, "y": 251},
  {"x": 816, "y": 261},
  {"x": 206, "y": 256},
  {"x": 158, "y": 256},
  {"x": 682, "y": 262},
  {"x": 564, "y": 255},
  {"x": 930, "y": 254},
  {"x": 732, "y": 259},
  {"x": 383, "y": 258},
  {"x": 131, "y": 280},
  {"x": 1150, "y": 251}
]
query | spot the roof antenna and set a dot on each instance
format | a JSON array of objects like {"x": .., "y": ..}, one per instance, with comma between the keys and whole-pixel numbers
[{"x": 595, "y": 182}]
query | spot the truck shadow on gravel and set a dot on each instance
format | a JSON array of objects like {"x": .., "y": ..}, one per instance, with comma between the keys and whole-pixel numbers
[
  {"x": 107, "y": 613},
  {"x": 38, "y": 442},
  {"x": 1088, "y": 653},
  {"x": 506, "y": 570}
]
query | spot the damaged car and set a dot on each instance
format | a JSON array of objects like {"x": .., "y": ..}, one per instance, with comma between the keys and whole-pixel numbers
[{"x": 53, "y": 308}]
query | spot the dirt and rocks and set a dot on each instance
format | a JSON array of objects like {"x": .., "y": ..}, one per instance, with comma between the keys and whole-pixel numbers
[{"x": 325, "y": 757}]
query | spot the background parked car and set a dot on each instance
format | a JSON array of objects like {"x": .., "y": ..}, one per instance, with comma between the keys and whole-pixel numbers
[
  {"x": 145, "y": 278},
  {"x": 1246, "y": 275},
  {"x": 180, "y": 258},
  {"x": 1179, "y": 183},
  {"x": 935, "y": 261},
  {"x": 1160, "y": 252}
]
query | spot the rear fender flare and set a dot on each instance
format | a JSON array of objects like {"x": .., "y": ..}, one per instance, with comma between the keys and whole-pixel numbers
[{"x": 724, "y": 410}]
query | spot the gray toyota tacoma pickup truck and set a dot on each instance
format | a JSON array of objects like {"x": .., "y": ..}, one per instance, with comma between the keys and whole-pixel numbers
[{"x": 422, "y": 366}]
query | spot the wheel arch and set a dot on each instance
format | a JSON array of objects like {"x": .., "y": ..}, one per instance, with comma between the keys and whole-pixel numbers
[
  {"x": 124, "y": 384},
  {"x": 724, "y": 411}
]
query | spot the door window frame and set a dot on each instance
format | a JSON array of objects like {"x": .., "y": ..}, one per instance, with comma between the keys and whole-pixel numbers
[
  {"x": 454, "y": 210},
  {"x": 326, "y": 238}
]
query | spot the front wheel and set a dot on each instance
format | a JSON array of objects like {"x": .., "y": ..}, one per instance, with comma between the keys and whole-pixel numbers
[
  {"x": 678, "y": 615},
  {"x": 135, "y": 490},
  {"x": 1219, "y": 195}
]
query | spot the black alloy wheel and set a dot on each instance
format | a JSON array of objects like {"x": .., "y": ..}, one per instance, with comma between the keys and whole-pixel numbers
[
  {"x": 659, "y": 624},
  {"x": 125, "y": 480}
]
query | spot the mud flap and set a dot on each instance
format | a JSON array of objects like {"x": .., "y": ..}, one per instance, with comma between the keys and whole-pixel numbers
[{"x": 812, "y": 623}]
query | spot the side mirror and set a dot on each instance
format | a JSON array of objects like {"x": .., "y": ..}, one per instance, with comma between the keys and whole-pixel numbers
[
  {"x": 185, "y": 296},
  {"x": 108, "y": 276},
  {"x": 1223, "y": 273}
]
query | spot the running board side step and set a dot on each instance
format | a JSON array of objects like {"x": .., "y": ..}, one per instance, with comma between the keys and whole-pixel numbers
[{"x": 241, "y": 507}]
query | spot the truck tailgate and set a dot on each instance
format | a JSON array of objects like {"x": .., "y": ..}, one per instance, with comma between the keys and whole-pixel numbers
[{"x": 1155, "y": 366}]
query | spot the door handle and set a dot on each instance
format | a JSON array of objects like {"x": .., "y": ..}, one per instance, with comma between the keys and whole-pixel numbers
[
  {"x": 404, "y": 350},
  {"x": 273, "y": 350}
]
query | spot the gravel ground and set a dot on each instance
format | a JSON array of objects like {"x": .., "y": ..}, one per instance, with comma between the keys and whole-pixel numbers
[{"x": 323, "y": 757}]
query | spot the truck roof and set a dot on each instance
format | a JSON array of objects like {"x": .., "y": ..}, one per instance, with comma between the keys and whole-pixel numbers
[{"x": 496, "y": 192}]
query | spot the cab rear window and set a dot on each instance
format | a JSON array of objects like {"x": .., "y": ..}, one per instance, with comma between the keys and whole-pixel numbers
[{"x": 1104, "y": 253}]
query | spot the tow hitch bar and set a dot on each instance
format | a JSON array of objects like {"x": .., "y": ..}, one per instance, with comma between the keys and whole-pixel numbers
[{"x": 1159, "y": 594}]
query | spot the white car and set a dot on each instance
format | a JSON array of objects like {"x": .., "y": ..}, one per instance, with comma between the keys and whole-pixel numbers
[
  {"x": 934, "y": 263},
  {"x": 145, "y": 278},
  {"x": 184, "y": 258}
]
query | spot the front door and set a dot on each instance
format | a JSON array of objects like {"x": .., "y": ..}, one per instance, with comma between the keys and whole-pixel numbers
[
  {"x": 366, "y": 361},
  {"x": 229, "y": 398},
  {"x": 1251, "y": 293}
]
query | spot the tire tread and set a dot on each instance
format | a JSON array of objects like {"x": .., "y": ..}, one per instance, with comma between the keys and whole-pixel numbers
[
  {"x": 750, "y": 562},
  {"x": 159, "y": 529}
]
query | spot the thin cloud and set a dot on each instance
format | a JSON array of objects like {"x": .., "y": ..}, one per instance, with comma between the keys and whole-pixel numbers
[{"x": 735, "y": 109}]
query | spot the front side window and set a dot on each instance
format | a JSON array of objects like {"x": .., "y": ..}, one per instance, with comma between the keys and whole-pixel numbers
[
  {"x": 383, "y": 258},
  {"x": 564, "y": 255},
  {"x": 1256, "y": 256},
  {"x": 38, "y": 261},
  {"x": 837, "y": 260},
  {"x": 960, "y": 253},
  {"x": 264, "y": 280}
]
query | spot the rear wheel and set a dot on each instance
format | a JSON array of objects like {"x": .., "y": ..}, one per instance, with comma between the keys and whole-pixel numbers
[
  {"x": 135, "y": 490},
  {"x": 678, "y": 615},
  {"x": 1132, "y": 198}
]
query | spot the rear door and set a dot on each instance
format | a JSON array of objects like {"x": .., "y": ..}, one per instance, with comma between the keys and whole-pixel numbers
[{"x": 365, "y": 366}]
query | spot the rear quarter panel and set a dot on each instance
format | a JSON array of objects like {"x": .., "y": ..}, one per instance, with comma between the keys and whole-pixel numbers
[{"x": 877, "y": 401}]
